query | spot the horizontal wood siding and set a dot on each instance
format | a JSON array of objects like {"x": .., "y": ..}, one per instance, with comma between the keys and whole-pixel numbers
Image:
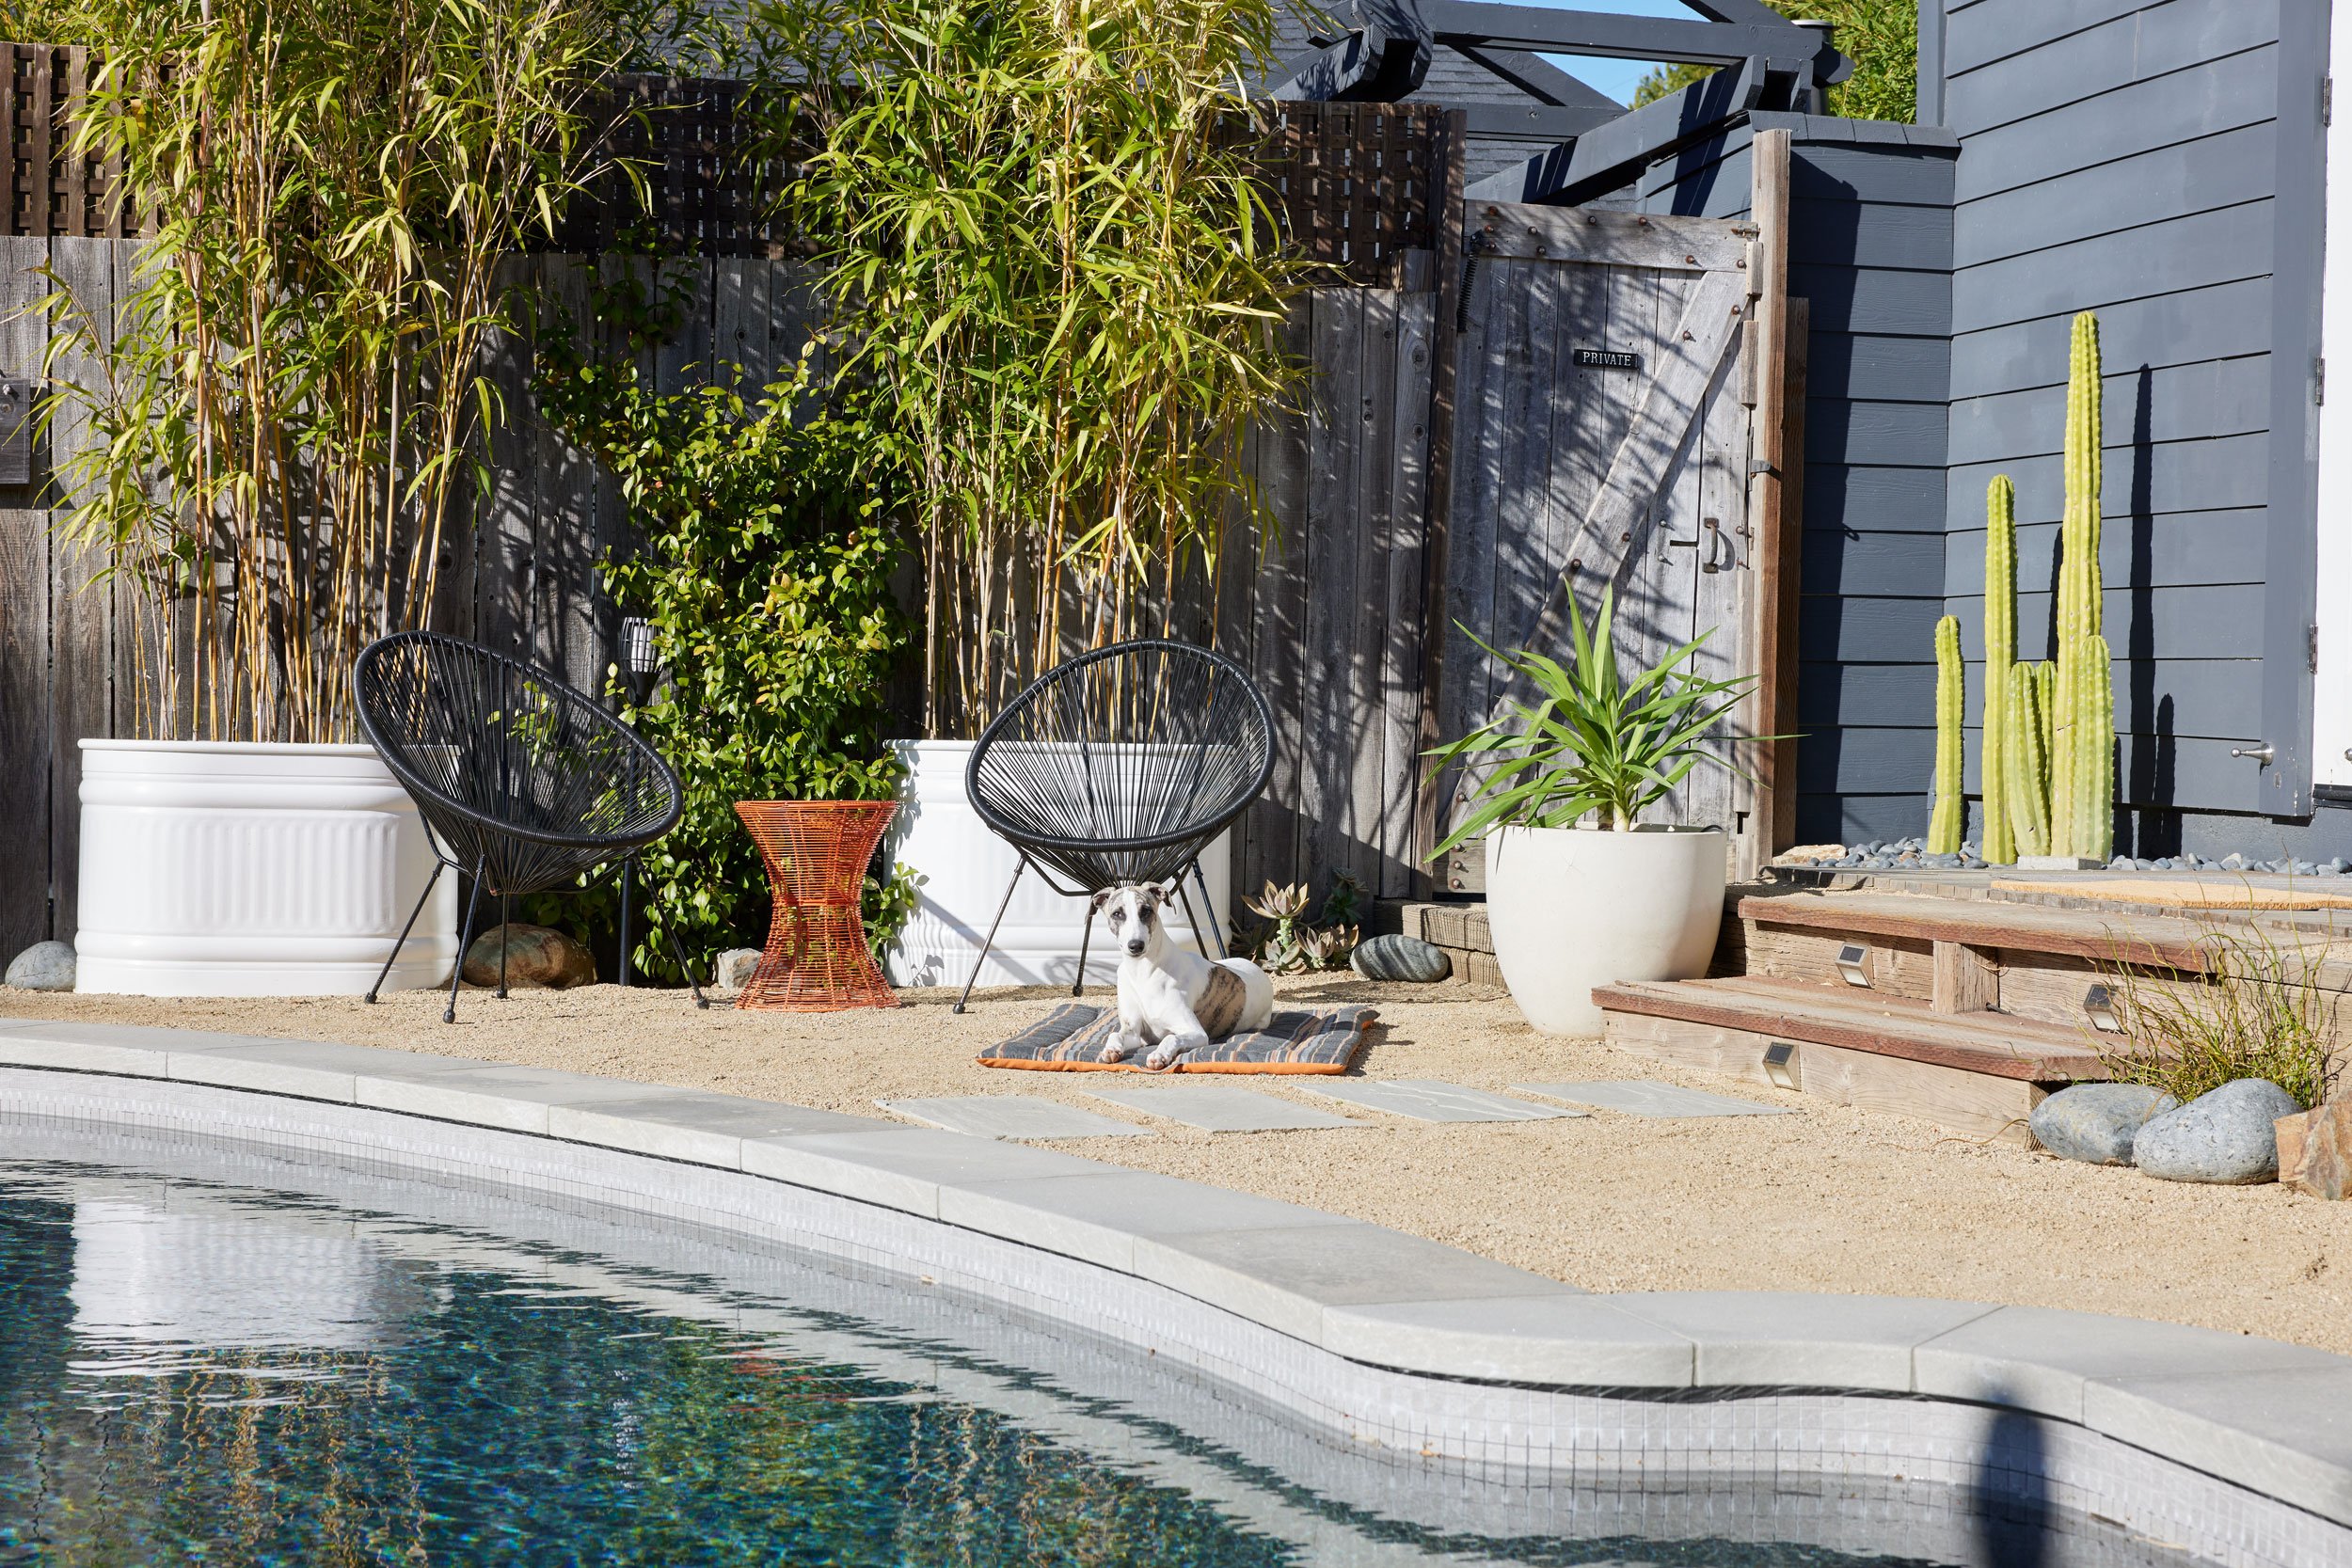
[
  {"x": 1870, "y": 246},
  {"x": 2121, "y": 156}
]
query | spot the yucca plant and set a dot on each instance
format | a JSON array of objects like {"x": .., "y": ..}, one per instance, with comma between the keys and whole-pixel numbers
[{"x": 1596, "y": 744}]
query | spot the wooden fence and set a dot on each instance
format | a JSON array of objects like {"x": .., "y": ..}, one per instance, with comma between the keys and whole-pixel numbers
[{"x": 1330, "y": 620}]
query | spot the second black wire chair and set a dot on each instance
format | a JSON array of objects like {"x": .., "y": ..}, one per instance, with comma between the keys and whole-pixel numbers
[
  {"x": 1121, "y": 765},
  {"x": 526, "y": 782}
]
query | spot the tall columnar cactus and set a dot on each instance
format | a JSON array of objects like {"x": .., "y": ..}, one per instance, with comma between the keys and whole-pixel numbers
[
  {"x": 2095, "y": 762},
  {"x": 2049, "y": 728},
  {"x": 2000, "y": 652},
  {"x": 2026, "y": 763},
  {"x": 1952, "y": 807}
]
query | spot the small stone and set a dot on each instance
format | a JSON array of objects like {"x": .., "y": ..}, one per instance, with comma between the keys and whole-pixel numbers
[
  {"x": 1397, "y": 957},
  {"x": 733, "y": 971},
  {"x": 2228, "y": 1136},
  {"x": 1973, "y": 863},
  {"x": 2121, "y": 862},
  {"x": 534, "y": 957},
  {"x": 2233, "y": 861},
  {"x": 2096, "y": 1122},
  {"x": 2336, "y": 867},
  {"x": 43, "y": 966},
  {"x": 2305, "y": 868}
]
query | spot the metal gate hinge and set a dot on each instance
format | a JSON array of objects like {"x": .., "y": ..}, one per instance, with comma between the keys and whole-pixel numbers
[{"x": 1758, "y": 466}]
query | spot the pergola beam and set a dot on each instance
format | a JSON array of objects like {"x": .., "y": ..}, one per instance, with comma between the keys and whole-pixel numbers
[
  {"x": 1536, "y": 30},
  {"x": 1607, "y": 157}
]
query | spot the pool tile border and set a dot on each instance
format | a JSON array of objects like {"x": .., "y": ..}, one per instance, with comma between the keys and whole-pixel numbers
[{"x": 1444, "y": 1336}]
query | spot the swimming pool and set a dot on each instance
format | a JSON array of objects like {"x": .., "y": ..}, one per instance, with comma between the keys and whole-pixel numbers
[{"x": 210, "y": 1355}]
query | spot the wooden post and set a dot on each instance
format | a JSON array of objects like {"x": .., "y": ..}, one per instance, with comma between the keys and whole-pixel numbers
[
  {"x": 1967, "y": 979},
  {"x": 1448, "y": 217},
  {"x": 1775, "y": 503}
]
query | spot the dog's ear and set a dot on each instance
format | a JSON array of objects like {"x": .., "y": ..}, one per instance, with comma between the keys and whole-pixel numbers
[
  {"x": 1101, "y": 899},
  {"x": 1157, "y": 893}
]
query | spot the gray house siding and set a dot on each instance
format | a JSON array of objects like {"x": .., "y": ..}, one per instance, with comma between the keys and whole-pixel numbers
[
  {"x": 1870, "y": 247},
  {"x": 2130, "y": 158}
]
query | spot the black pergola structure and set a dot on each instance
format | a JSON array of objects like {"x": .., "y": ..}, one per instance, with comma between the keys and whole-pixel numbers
[{"x": 1591, "y": 145}]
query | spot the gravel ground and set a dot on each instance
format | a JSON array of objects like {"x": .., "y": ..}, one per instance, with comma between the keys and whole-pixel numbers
[{"x": 1831, "y": 1199}]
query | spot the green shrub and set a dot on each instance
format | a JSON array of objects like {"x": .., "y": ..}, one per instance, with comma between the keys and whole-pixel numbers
[
  {"x": 767, "y": 545},
  {"x": 2254, "y": 1012}
]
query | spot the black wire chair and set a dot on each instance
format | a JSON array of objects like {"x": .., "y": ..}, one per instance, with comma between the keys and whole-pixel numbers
[
  {"x": 1121, "y": 765},
  {"x": 526, "y": 783}
]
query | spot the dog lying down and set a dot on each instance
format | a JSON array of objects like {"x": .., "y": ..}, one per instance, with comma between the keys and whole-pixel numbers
[{"x": 1169, "y": 999}]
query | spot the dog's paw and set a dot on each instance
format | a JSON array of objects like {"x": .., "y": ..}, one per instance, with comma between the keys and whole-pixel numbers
[
  {"x": 1160, "y": 1058},
  {"x": 1116, "y": 1051}
]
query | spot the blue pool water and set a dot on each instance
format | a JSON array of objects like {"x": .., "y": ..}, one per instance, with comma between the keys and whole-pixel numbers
[{"x": 195, "y": 1371}]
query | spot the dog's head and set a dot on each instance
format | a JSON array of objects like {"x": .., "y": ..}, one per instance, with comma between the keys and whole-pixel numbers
[{"x": 1133, "y": 914}]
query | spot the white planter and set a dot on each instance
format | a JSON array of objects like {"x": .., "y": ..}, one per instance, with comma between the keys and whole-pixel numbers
[
  {"x": 964, "y": 867},
  {"x": 219, "y": 868},
  {"x": 1574, "y": 908}
]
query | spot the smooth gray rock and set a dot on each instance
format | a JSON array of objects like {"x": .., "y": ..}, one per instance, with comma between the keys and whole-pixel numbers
[
  {"x": 533, "y": 956},
  {"x": 733, "y": 971},
  {"x": 2224, "y": 1137},
  {"x": 43, "y": 966},
  {"x": 1397, "y": 957},
  {"x": 2097, "y": 1121}
]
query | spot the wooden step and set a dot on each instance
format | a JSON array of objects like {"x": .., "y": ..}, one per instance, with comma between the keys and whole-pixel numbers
[
  {"x": 1979, "y": 1072},
  {"x": 2156, "y": 942}
]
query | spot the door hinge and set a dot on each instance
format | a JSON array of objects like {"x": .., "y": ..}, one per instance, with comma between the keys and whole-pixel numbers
[
  {"x": 2310, "y": 647},
  {"x": 2327, "y": 101},
  {"x": 2319, "y": 381}
]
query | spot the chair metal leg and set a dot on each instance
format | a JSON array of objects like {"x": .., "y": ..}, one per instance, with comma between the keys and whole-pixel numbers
[
  {"x": 393, "y": 957},
  {"x": 628, "y": 874},
  {"x": 1194, "y": 920},
  {"x": 990, "y": 942},
  {"x": 1085, "y": 942},
  {"x": 687, "y": 970},
  {"x": 505, "y": 935},
  {"x": 1214, "y": 929},
  {"x": 464, "y": 934}
]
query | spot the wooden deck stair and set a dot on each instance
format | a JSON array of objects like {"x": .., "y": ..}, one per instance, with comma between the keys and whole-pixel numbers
[{"x": 1968, "y": 1011}]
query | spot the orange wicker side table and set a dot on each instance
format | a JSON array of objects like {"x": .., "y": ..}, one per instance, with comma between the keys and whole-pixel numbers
[{"x": 818, "y": 960}]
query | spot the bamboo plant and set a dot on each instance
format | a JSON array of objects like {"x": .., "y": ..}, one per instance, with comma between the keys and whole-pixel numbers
[
  {"x": 1045, "y": 244},
  {"x": 272, "y": 429}
]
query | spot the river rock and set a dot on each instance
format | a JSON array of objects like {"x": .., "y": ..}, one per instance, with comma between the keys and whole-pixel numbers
[
  {"x": 43, "y": 966},
  {"x": 1397, "y": 957},
  {"x": 2228, "y": 1136},
  {"x": 534, "y": 957},
  {"x": 2097, "y": 1121},
  {"x": 733, "y": 971}
]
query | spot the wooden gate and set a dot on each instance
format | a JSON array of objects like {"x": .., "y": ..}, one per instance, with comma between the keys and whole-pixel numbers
[{"x": 1605, "y": 398}]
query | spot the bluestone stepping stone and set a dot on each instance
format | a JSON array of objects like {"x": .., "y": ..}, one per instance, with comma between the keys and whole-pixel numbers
[
  {"x": 1012, "y": 1115},
  {"x": 1221, "y": 1108},
  {"x": 1637, "y": 1097},
  {"x": 1433, "y": 1100}
]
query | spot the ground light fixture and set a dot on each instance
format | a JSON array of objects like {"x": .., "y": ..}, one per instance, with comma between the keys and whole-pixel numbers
[
  {"x": 639, "y": 670},
  {"x": 1780, "y": 1065},
  {"x": 1851, "y": 961},
  {"x": 2099, "y": 1005}
]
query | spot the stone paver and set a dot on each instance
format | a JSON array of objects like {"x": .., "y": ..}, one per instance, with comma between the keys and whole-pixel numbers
[
  {"x": 1637, "y": 1097},
  {"x": 1434, "y": 1100},
  {"x": 1011, "y": 1116},
  {"x": 1221, "y": 1108}
]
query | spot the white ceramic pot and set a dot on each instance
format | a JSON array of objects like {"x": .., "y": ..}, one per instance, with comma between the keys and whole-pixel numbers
[
  {"x": 225, "y": 868},
  {"x": 964, "y": 867},
  {"x": 1574, "y": 908}
]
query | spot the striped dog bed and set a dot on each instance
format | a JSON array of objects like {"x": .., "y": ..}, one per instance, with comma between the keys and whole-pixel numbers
[{"x": 1071, "y": 1036}]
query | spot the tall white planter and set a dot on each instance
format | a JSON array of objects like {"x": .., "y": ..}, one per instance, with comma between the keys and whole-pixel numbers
[
  {"x": 224, "y": 868},
  {"x": 1574, "y": 908},
  {"x": 964, "y": 867}
]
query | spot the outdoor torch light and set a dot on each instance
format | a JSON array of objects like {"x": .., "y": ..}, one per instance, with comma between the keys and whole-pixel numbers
[
  {"x": 1853, "y": 960},
  {"x": 2099, "y": 1003},
  {"x": 1780, "y": 1065},
  {"x": 637, "y": 661}
]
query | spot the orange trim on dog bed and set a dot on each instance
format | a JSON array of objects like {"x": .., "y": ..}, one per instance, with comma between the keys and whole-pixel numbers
[{"x": 1071, "y": 1036}]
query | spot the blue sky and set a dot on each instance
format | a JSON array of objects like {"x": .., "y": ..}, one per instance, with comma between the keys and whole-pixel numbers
[{"x": 1614, "y": 77}]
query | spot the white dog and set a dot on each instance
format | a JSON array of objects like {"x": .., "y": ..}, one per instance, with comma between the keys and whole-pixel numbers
[{"x": 1169, "y": 999}]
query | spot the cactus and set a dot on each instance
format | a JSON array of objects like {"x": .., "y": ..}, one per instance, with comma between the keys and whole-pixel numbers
[
  {"x": 2048, "y": 761},
  {"x": 2026, "y": 760},
  {"x": 1952, "y": 807},
  {"x": 2000, "y": 652}
]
